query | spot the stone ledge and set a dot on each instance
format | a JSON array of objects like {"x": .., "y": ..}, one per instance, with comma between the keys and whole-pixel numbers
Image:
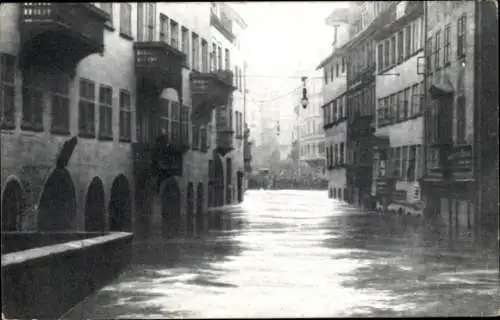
[{"x": 18, "y": 257}]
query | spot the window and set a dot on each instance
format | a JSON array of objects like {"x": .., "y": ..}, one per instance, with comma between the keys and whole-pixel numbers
[
  {"x": 185, "y": 125},
  {"x": 428, "y": 64},
  {"x": 86, "y": 117},
  {"x": 126, "y": 19},
  {"x": 163, "y": 28},
  {"x": 336, "y": 153},
  {"x": 380, "y": 56},
  {"x": 325, "y": 75},
  {"x": 415, "y": 100},
  {"x": 204, "y": 140},
  {"x": 125, "y": 133},
  {"x": 400, "y": 47},
  {"x": 412, "y": 158},
  {"x": 341, "y": 153},
  {"x": 406, "y": 102},
  {"x": 7, "y": 85},
  {"x": 213, "y": 57},
  {"x": 195, "y": 48},
  {"x": 195, "y": 142},
  {"x": 108, "y": 8},
  {"x": 331, "y": 73},
  {"x": 341, "y": 107},
  {"x": 343, "y": 65},
  {"x": 397, "y": 162},
  {"x": 219, "y": 58},
  {"x": 175, "y": 120},
  {"x": 33, "y": 99},
  {"x": 461, "y": 118},
  {"x": 105, "y": 112},
  {"x": 227, "y": 59},
  {"x": 209, "y": 136},
  {"x": 60, "y": 103},
  {"x": 461, "y": 36},
  {"x": 336, "y": 69},
  {"x": 334, "y": 112},
  {"x": 437, "y": 50},
  {"x": 408, "y": 41},
  {"x": 393, "y": 50},
  {"x": 447, "y": 44},
  {"x": 146, "y": 13},
  {"x": 400, "y": 105},
  {"x": 163, "y": 120},
  {"x": 185, "y": 43},
  {"x": 404, "y": 162},
  {"x": 386, "y": 54},
  {"x": 174, "y": 34},
  {"x": 335, "y": 30},
  {"x": 204, "y": 56}
]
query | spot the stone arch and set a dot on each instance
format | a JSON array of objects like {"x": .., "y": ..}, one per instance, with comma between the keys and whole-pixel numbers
[
  {"x": 57, "y": 205},
  {"x": 12, "y": 205},
  {"x": 120, "y": 211},
  {"x": 190, "y": 219},
  {"x": 200, "y": 199},
  {"x": 95, "y": 206},
  {"x": 171, "y": 208}
]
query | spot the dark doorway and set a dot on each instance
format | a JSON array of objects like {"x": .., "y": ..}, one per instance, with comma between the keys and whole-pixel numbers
[
  {"x": 11, "y": 206},
  {"x": 200, "y": 222},
  {"x": 120, "y": 217},
  {"x": 94, "y": 206},
  {"x": 171, "y": 209},
  {"x": 57, "y": 203},
  {"x": 240, "y": 186},
  {"x": 219, "y": 181},
  {"x": 190, "y": 210}
]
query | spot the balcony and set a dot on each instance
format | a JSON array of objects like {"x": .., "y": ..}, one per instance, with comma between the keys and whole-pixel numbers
[
  {"x": 159, "y": 65},
  {"x": 60, "y": 34},
  {"x": 209, "y": 90},
  {"x": 164, "y": 157},
  {"x": 223, "y": 27},
  {"x": 362, "y": 77},
  {"x": 224, "y": 141}
]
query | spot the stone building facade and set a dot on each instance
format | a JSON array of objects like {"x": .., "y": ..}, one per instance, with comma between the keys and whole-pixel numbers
[{"x": 98, "y": 134}]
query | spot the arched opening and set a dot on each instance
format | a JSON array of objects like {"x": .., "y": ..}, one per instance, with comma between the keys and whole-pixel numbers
[
  {"x": 171, "y": 209},
  {"x": 12, "y": 206},
  {"x": 57, "y": 204},
  {"x": 94, "y": 206},
  {"x": 120, "y": 216},
  {"x": 219, "y": 181},
  {"x": 229, "y": 180},
  {"x": 190, "y": 209},
  {"x": 239, "y": 184},
  {"x": 200, "y": 222}
]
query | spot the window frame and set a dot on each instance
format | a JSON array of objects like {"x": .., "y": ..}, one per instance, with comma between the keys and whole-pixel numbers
[
  {"x": 60, "y": 104},
  {"x": 105, "y": 110},
  {"x": 125, "y": 109},
  {"x": 86, "y": 108},
  {"x": 126, "y": 26},
  {"x": 7, "y": 84}
]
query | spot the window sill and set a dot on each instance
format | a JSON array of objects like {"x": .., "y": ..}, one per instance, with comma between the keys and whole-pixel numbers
[
  {"x": 30, "y": 127},
  {"x": 415, "y": 116},
  {"x": 60, "y": 131},
  {"x": 89, "y": 135},
  {"x": 105, "y": 137},
  {"x": 126, "y": 36},
  {"x": 124, "y": 139},
  {"x": 109, "y": 26}
]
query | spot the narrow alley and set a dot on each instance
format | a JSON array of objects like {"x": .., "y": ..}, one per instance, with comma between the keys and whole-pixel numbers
[{"x": 297, "y": 253}]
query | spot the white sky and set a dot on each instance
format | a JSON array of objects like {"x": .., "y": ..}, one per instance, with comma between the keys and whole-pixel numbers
[{"x": 283, "y": 40}]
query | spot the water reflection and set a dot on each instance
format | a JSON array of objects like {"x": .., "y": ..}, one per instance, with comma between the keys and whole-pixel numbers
[{"x": 298, "y": 253}]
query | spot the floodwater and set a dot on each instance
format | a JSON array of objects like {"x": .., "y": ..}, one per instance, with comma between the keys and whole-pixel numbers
[{"x": 300, "y": 254}]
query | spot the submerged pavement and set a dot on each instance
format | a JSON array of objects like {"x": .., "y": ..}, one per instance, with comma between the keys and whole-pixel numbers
[{"x": 298, "y": 253}]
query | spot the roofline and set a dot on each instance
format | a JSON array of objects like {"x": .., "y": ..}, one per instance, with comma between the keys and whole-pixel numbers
[{"x": 337, "y": 53}]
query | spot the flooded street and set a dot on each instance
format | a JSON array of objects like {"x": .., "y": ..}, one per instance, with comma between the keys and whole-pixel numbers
[{"x": 298, "y": 253}]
